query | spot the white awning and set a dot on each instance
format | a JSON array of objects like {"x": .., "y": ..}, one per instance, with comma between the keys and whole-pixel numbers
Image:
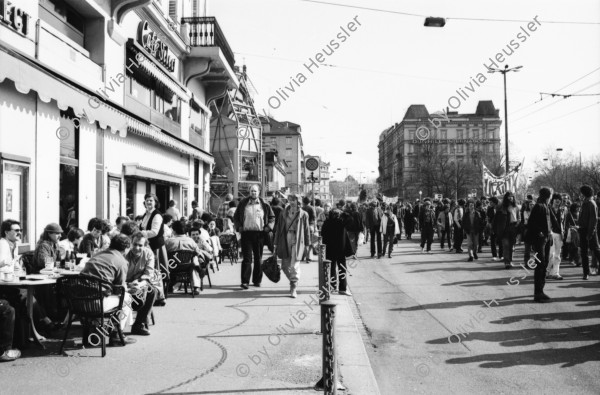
[
  {"x": 27, "y": 77},
  {"x": 144, "y": 130},
  {"x": 137, "y": 171}
]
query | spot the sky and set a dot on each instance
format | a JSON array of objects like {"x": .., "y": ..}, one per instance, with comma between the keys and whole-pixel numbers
[{"x": 391, "y": 61}]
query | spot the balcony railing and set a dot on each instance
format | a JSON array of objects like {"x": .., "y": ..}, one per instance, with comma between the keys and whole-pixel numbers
[{"x": 204, "y": 31}]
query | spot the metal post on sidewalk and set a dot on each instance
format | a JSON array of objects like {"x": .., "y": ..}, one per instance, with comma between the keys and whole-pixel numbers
[
  {"x": 330, "y": 379},
  {"x": 329, "y": 382}
]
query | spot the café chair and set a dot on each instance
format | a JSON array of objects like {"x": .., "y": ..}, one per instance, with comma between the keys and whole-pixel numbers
[
  {"x": 181, "y": 266},
  {"x": 85, "y": 298}
]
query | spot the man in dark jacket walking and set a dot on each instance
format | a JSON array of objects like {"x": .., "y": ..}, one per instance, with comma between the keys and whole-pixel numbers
[
  {"x": 254, "y": 219},
  {"x": 588, "y": 234},
  {"x": 427, "y": 222},
  {"x": 471, "y": 223},
  {"x": 538, "y": 235},
  {"x": 374, "y": 215}
]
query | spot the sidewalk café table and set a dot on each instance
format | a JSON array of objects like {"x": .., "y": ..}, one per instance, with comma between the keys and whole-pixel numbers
[{"x": 31, "y": 281}]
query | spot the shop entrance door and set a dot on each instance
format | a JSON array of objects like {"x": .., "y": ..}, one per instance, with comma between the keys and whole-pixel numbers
[{"x": 162, "y": 192}]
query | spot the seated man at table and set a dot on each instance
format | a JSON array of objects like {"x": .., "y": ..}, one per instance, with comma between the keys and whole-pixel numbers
[
  {"x": 10, "y": 237},
  {"x": 140, "y": 271},
  {"x": 181, "y": 241},
  {"x": 110, "y": 265},
  {"x": 7, "y": 326},
  {"x": 93, "y": 240}
]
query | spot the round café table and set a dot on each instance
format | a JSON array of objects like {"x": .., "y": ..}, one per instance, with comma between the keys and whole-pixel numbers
[{"x": 31, "y": 281}]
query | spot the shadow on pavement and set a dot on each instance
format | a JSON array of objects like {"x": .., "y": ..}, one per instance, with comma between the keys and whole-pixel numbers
[
  {"x": 528, "y": 337},
  {"x": 242, "y": 391},
  {"x": 591, "y": 300},
  {"x": 571, "y": 316},
  {"x": 479, "y": 282},
  {"x": 567, "y": 357}
]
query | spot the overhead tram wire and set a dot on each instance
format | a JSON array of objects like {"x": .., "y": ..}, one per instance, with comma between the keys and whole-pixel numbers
[
  {"x": 384, "y": 72},
  {"x": 553, "y": 119},
  {"x": 554, "y": 102},
  {"x": 559, "y": 89},
  {"x": 447, "y": 18}
]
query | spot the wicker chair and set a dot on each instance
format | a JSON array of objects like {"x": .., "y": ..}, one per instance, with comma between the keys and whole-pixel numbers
[
  {"x": 181, "y": 266},
  {"x": 85, "y": 298}
]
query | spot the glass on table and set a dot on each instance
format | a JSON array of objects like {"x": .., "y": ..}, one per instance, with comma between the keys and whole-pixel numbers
[{"x": 49, "y": 263}]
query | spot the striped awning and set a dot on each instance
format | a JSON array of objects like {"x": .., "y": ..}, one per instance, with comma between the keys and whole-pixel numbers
[
  {"x": 27, "y": 76},
  {"x": 162, "y": 138}
]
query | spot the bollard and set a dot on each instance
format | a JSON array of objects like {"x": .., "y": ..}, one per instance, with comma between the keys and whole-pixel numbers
[
  {"x": 327, "y": 285},
  {"x": 329, "y": 352}
]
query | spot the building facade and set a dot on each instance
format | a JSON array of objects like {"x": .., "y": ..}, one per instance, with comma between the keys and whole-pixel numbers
[
  {"x": 438, "y": 153},
  {"x": 286, "y": 138},
  {"x": 236, "y": 143},
  {"x": 102, "y": 102}
]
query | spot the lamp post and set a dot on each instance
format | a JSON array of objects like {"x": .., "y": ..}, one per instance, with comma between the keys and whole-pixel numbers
[{"x": 506, "y": 70}]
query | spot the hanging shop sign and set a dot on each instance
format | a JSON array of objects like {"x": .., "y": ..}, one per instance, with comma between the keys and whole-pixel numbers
[
  {"x": 152, "y": 43},
  {"x": 14, "y": 17}
]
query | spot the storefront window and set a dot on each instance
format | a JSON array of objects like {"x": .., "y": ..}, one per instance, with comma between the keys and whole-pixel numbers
[
  {"x": 139, "y": 92},
  {"x": 184, "y": 207},
  {"x": 114, "y": 199},
  {"x": 15, "y": 189},
  {"x": 130, "y": 197},
  {"x": 69, "y": 175}
]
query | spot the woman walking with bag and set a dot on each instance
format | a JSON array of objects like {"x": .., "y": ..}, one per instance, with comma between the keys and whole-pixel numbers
[{"x": 291, "y": 237}]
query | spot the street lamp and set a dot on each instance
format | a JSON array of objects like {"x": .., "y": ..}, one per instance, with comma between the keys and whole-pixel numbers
[
  {"x": 506, "y": 70},
  {"x": 434, "y": 22}
]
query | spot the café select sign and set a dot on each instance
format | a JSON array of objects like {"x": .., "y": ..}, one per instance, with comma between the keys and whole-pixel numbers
[
  {"x": 150, "y": 41},
  {"x": 14, "y": 17}
]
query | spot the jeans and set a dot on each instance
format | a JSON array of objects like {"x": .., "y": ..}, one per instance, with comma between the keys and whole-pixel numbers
[
  {"x": 473, "y": 242},
  {"x": 458, "y": 237},
  {"x": 375, "y": 233},
  {"x": 388, "y": 239},
  {"x": 496, "y": 246},
  {"x": 540, "y": 247},
  {"x": 143, "y": 302},
  {"x": 338, "y": 271},
  {"x": 252, "y": 246},
  {"x": 7, "y": 325},
  {"x": 291, "y": 265},
  {"x": 426, "y": 237},
  {"x": 507, "y": 247},
  {"x": 554, "y": 258},
  {"x": 445, "y": 236},
  {"x": 592, "y": 244}
]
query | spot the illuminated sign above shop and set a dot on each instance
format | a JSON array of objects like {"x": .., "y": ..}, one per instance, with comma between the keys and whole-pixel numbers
[
  {"x": 152, "y": 43},
  {"x": 14, "y": 17}
]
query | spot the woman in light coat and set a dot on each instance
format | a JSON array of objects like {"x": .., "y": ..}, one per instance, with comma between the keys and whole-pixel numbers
[{"x": 291, "y": 236}]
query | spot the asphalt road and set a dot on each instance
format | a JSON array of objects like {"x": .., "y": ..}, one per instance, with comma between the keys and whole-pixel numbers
[{"x": 436, "y": 324}]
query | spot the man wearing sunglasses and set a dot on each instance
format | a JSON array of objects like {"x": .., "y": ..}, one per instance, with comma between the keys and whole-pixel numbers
[
  {"x": 11, "y": 235},
  {"x": 10, "y": 231}
]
